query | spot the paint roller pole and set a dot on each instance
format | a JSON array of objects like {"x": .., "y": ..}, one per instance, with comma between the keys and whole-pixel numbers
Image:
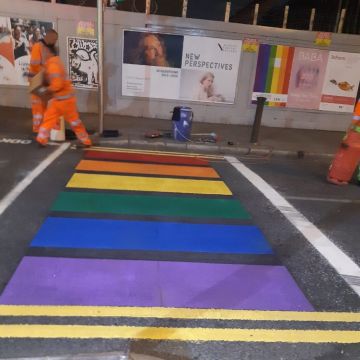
[
  {"x": 257, "y": 121},
  {"x": 100, "y": 39}
]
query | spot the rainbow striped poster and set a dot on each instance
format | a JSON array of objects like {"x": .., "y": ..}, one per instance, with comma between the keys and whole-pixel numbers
[{"x": 273, "y": 72}]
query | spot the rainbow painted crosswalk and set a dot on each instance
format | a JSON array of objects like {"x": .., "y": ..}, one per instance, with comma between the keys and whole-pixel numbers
[{"x": 146, "y": 229}]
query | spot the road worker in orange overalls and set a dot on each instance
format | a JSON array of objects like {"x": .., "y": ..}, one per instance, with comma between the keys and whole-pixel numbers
[
  {"x": 347, "y": 158},
  {"x": 356, "y": 118},
  {"x": 40, "y": 53},
  {"x": 62, "y": 102}
]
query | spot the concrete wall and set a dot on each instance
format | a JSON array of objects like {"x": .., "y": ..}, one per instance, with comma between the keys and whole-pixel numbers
[{"x": 242, "y": 112}]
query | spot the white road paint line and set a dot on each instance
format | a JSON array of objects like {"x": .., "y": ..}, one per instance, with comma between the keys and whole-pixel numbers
[
  {"x": 341, "y": 262},
  {"x": 310, "y": 198},
  {"x": 23, "y": 184}
]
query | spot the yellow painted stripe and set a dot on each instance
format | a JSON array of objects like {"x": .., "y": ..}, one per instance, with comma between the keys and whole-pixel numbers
[
  {"x": 276, "y": 73},
  {"x": 180, "y": 334},
  {"x": 148, "y": 169},
  {"x": 110, "y": 149},
  {"x": 134, "y": 183},
  {"x": 177, "y": 313}
]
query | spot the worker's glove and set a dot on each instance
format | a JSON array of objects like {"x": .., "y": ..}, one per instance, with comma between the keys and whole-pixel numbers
[{"x": 42, "y": 90}]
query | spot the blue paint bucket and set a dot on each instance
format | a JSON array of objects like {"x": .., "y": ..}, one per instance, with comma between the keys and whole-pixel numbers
[{"x": 182, "y": 122}]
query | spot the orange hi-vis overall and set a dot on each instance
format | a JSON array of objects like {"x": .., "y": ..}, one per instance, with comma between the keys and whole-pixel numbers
[
  {"x": 355, "y": 124},
  {"x": 62, "y": 103},
  {"x": 39, "y": 55},
  {"x": 348, "y": 156}
]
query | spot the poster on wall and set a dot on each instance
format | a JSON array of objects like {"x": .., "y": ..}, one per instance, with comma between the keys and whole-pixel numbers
[
  {"x": 250, "y": 45},
  {"x": 273, "y": 72},
  {"x": 209, "y": 69},
  {"x": 341, "y": 82},
  {"x": 307, "y": 77},
  {"x": 167, "y": 66},
  {"x": 151, "y": 64},
  {"x": 83, "y": 62},
  {"x": 7, "y": 59},
  {"x": 22, "y": 34}
]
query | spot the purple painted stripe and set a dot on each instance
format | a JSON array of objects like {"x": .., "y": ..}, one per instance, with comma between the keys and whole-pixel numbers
[
  {"x": 262, "y": 67},
  {"x": 64, "y": 281}
]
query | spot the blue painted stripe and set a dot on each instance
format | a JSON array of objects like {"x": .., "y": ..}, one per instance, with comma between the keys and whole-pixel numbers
[{"x": 149, "y": 235}]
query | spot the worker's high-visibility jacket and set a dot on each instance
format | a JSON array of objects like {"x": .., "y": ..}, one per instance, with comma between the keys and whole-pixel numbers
[
  {"x": 356, "y": 118},
  {"x": 59, "y": 84},
  {"x": 39, "y": 55}
]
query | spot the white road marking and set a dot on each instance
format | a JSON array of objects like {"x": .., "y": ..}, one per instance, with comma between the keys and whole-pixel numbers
[
  {"x": 310, "y": 198},
  {"x": 15, "y": 141},
  {"x": 23, "y": 184},
  {"x": 341, "y": 262}
]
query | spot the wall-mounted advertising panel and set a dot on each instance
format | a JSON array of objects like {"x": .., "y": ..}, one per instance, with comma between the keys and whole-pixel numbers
[{"x": 168, "y": 66}]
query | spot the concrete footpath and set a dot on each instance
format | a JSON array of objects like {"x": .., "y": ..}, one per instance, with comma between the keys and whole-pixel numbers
[{"x": 230, "y": 138}]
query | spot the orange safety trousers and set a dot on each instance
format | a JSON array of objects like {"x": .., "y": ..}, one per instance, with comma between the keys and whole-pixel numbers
[
  {"x": 38, "y": 109},
  {"x": 67, "y": 109}
]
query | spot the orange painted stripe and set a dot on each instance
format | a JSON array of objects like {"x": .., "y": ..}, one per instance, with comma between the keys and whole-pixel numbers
[
  {"x": 284, "y": 60},
  {"x": 148, "y": 169}
]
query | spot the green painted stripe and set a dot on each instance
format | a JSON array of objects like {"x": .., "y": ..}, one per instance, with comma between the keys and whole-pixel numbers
[
  {"x": 269, "y": 76},
  {"x": 89, "y": 202}
]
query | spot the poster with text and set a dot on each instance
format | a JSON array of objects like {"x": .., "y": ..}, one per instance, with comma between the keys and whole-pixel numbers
[
  {"x": 26, "y": 33},
  {"x": 151, "y": 64},
  {"x": 7, "y": 59},
  {"x": 341, "y": 82},
  {"x": 209, "y": 69},
  {"x": 273, "y": 72},
  {"x": 18, "y": 35},
  {"x": 168, "y": 66},
  {"x": 83, "y": 62},
  {"x": 307, "y": 77}
]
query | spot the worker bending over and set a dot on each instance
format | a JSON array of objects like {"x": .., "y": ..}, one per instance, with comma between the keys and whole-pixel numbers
[
  {"x": 40, "y": 53},
  {"x": 62, "y": 102}
]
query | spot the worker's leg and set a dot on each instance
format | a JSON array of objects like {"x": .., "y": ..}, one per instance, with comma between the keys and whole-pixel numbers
[
  {"x": 71, "y": 115},
  {"x": 51, "y": 117},
  {"x": 38, "y": 109}
]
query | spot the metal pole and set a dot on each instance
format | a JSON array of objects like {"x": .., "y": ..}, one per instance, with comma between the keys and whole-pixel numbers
[
  {"x": 257, "y": 121},
  {"x": 312, "y": 18},
  {"x": 256, "y": 12},
  {"x": 341, "y": 22},
  {"x": 147, "y": 7},
  {"x": 227, "y": 11},
  {"x": 286, "y": 14},
  {"x": 337, "y": 16},
  {"x": 184, "y": 9},
  {"x": 100, "y": 39}
]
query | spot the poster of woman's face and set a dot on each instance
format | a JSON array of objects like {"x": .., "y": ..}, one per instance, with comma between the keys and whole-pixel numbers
[
  {"x": 153, "y": 49},
  {"x": 205, "y": 86},
  {"x": 17, "y": 36},
  {"x": 26, "y": 33}
]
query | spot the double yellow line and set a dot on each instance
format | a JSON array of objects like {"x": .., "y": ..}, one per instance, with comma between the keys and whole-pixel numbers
[
  {"x": 179, "y": 334},
  {"x": 177, "y": 313},
  {"x": 52, "y": 331}
]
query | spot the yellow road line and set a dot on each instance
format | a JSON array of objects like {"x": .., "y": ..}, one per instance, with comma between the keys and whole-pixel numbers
[
  {"x": 205, "y": 156},
  {"x": 135, "y": 183},
  {"x": 176, "y": 313},
  {"x": 180, "y": 334}
]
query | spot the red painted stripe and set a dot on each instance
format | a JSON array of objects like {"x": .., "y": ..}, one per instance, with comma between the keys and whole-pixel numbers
[
  {"x": 147, "y": 158},
  {"x": 288, "y": 70}
]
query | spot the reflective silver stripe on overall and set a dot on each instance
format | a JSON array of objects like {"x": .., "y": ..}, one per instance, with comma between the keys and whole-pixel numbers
[{"x": 63, "y": 97}]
